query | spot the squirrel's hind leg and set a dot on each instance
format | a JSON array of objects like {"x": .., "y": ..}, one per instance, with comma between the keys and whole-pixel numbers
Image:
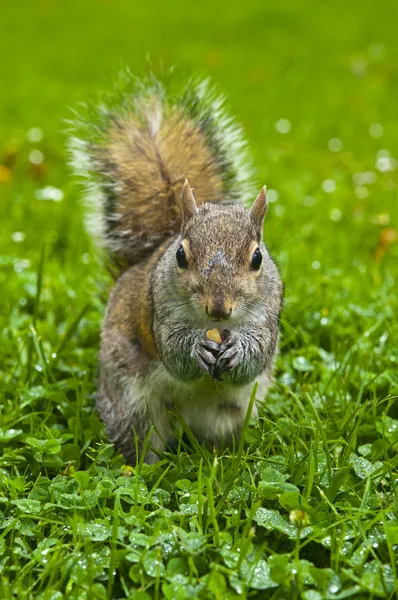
[
  {"x": 126, "y": 428},
  {"x": 122, "y": 400}
]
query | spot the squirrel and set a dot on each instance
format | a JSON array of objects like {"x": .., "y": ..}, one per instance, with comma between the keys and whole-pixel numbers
[{"x": 191, "y": 258}]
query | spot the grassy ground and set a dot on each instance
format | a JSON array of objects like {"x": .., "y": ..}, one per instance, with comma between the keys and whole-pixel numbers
[{"x": 306, "y": 507}]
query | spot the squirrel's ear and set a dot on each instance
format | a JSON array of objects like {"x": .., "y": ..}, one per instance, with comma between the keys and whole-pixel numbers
[
  {"x": 258, "y": 211},
  {"x": 188, "y": 204}
]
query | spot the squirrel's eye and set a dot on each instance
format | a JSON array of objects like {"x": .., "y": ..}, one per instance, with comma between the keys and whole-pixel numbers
[
  {"x": 181, "y": 258},
  {"x": 257, "y": 259}
]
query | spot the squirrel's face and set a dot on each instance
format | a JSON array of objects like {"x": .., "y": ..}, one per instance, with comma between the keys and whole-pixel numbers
[{"x": 220, "y": 260}]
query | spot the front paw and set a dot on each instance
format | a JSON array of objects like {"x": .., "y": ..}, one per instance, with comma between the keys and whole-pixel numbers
[
  {"x": 230, "y": 354},
  {"x": 205, "y": 352}
]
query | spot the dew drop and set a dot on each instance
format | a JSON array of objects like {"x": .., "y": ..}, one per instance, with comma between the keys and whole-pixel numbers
[
  {"x": 283, "y": 126},
  {"x": 361, "y": 192},
  {"x": 18, "y": 236},
  {"x": 49, "y": 193},
  {"x": 376, "y": 130},
  {"x": 385, "y": 164},
  {"x": 35, "y": 134},
  {"x": 335, "y": 145},
  {"x": 335, "y": 215},
  {"x": 36, "y": 157},
  {"x": 329, "y": 186},
  {"x": 272, "y": 195}
]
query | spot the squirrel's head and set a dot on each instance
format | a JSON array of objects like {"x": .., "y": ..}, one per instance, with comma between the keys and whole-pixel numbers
[{"x": 220, "y": 259}]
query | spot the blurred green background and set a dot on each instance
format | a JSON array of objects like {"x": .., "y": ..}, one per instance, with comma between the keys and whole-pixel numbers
[
  {"x": 328, "y": 68},
  {"x": 315, "y": 86}
]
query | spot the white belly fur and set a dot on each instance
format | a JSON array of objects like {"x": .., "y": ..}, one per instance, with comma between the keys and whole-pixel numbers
[{"x": 210, "y": 408}]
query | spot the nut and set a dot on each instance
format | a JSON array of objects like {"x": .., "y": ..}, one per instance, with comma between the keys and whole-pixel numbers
[{"x": 214, "y": 335}]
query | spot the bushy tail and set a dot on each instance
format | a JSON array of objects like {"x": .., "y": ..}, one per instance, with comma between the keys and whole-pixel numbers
[{"x": 135, "y": 150}]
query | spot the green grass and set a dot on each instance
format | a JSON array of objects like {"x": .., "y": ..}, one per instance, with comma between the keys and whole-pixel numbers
[{"x": 306, "y": 505}]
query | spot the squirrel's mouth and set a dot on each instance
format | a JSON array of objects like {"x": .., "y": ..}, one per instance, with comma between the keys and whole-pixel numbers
[
  {"x": 219, "y": 312},
  {"x": 219, "y": 320},
  {"x": 217, "y": 315}
]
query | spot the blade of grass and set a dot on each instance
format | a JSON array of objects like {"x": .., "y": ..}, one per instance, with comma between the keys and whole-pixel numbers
[{"x": 40, "y": 271}]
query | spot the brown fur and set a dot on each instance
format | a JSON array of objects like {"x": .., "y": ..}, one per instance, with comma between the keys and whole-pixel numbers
[
  {"x": 157, "y": 316},
  {"x": 154, "y": 350},
  {"x": 129, "y": 312},
  {"x": 145, "y": 161}
]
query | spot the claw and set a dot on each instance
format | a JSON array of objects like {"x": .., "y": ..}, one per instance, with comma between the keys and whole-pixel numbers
[
  {"x": 210, "y": 345},
  {"x": 206, "y": 355},
  {"x": 230, "y": 354},
  {"x": 227, "y": 344},
  {"x": 228, "y": 341},
  {"x": 203, "y": 365},
  {"x": 235, "y": 360}
]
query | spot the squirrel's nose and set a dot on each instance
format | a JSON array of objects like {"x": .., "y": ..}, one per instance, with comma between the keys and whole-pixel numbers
[{"x": 218, "y": 310}]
